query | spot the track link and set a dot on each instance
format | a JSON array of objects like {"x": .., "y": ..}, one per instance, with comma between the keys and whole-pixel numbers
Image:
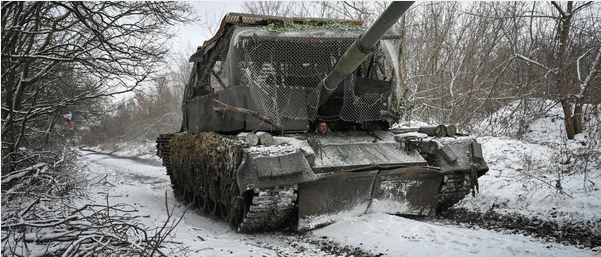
[
  {"x": 164, "y": 150},
  {"x": 455, "y": 186},
  {"x": 269, "y": 209}
]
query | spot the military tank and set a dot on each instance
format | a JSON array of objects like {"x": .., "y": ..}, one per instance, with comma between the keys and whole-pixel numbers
[{"x": 248, "y": 150}]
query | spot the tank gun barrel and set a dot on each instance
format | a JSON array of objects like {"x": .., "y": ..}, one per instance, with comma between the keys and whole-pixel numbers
[{"x": 363, "y": 46}]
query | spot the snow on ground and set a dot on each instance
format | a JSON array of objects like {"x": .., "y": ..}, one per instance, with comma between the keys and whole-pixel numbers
[
  {"x": 519, "y": 181},
  {"x": 395, "y": 236},
  {"x": 526, "y": 177},
  {"x": 144, "y": 187},
  {"x": 535, "y": 177}
]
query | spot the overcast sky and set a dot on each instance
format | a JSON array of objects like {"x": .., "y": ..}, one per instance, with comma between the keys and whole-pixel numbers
[{"x": 210, "y": 14}]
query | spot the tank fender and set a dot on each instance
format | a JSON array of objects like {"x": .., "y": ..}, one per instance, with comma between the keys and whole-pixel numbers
[
  {"x": 269, "y": 166},
  {"x": 478, "y": 158},
  {"x": 457, "y": 154}
]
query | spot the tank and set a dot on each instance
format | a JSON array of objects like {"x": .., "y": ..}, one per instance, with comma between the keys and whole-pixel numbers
[{"x": 253, "y": 147}]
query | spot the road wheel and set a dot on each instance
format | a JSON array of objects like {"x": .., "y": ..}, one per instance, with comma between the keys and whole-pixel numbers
[
  {"x": 223, "y": 210},
  {"x": 239, "y": 211},
  {"x": 213, "y": 206}
]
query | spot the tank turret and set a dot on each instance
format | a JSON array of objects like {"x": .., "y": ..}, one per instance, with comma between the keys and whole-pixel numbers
[
  {"x": 284, "y": 74},
  {"x": 361, "y": 48}
]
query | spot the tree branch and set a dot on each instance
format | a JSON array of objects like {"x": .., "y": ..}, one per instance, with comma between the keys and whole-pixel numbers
[{"x": 227, "y": 107}]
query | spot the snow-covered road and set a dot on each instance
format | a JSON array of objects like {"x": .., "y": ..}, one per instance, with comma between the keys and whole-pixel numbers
[{"x": 145, "y": 186}]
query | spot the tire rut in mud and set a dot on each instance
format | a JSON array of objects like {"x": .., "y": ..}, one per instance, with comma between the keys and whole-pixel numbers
[
  {"x": 336, "y": 249},
  {"x": 304, "y": 244},
  {"x": 133, "y": 158},
  {"x": 582, "y": 235}
]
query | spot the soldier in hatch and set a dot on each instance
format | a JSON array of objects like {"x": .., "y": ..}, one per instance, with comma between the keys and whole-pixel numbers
[{"x": 322, "y": 128}]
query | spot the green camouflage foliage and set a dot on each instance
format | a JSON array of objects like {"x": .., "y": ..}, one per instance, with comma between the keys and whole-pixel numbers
[{"x": 206, "y": 164}]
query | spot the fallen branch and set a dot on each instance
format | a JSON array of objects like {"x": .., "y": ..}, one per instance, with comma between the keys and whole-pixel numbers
[
  {"x": 227, "y": 107},
  {"x": 41, "y": 223},
  {"x": 20, "y": 173},
  {"x": 161, "y": 235}
]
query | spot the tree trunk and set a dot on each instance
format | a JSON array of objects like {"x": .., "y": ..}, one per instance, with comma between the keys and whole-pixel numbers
[
  {"x": 562, "y": 80},
  {"x": 52, "y": 123},
  {"x": 578, "y": 114},
  {"x": 568, "y": 118}
]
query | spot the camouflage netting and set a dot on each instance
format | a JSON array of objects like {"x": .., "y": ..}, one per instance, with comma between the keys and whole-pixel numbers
[
  {"x": 276, "y": 70},
  {"x": 208, "y": 163}
]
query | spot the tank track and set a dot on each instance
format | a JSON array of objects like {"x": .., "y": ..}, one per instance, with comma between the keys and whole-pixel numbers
[
  {"x": 270, "y": 208},
  {"x": 262, "y": 209},
  {"x": 455, "y": 186},
  {"x": 164, "y": 150}
]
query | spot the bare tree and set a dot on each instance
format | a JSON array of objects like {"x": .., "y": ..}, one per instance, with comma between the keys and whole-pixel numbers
[
  {"x": 463, "y": 61},
  {"x": 153, "y": 110},
  {"x": 565, "y": 77},
  {"x": 366, "y": 11},
  {"x": 56, "y": 55},
  {"x": 274, "y": 8}
]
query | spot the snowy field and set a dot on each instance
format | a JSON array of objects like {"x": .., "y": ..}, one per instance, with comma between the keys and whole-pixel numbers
[
  {"x": 543, "y": 175},
  {"x": 144, "y": 187},
  {"x": 526, "y": 177}
]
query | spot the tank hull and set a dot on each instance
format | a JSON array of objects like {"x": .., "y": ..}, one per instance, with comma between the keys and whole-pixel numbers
[{"x": 304, "y": 181}]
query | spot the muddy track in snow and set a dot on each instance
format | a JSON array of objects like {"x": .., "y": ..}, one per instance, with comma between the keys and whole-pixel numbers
[
  {"x": 335, "y": 249},
  {"x": 134, "y": 158},
  {"x": 304, "y": 244},
  {"x": 583, "y": 235}
]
